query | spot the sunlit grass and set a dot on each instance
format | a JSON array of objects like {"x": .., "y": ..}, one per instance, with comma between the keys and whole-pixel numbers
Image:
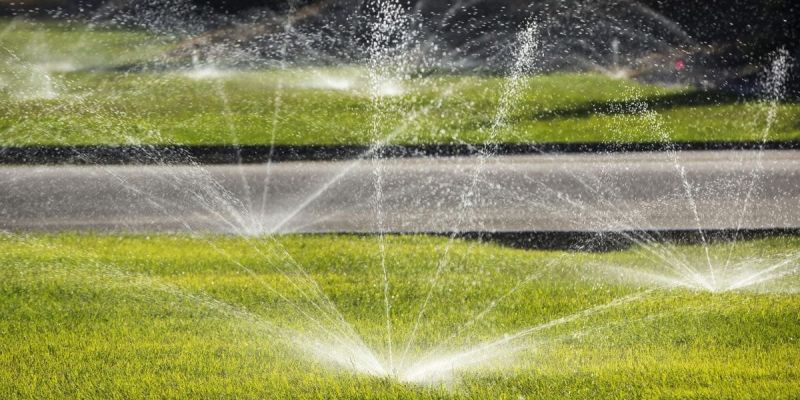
[
  {"x": 137, "y": 316},
  {"x": 59, "y": 86}
]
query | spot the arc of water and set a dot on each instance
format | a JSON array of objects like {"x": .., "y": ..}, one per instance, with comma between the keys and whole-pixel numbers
[
  {"x": 327, "y": 309},
  {"x": 288, "y": 29},
  {"x": 710, "y": 286},
  {"x": 162, "y": 203},
  {"x": 392, "y": 22},
  {"x": 773, "y": 88},
  {"x": 216, "y": 191},
  {"x": 421, "y": 369},
  {"x": 525, "y": 54},
  {"x": 643, "y": 240},
  {"x": 656, "y": 125},
  {"x": 689, "y": 190},
  {"x": 640, "y": 238},
  {"x": 356, "y": 351},
  {"x": 491, "y": 305},
  {"x": 370, "y": 153},
  {"x": 766, "y": 274},
  {"x": 227, "y": 113}
]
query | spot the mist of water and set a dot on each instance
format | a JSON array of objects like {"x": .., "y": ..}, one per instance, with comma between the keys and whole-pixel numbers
[{"x": 396, "y": 49}]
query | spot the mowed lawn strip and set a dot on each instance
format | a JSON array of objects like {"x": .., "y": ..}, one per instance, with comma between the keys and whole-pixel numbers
[
  {"x": 184, "y": 317},
  {"x": 69, "y": 85}
]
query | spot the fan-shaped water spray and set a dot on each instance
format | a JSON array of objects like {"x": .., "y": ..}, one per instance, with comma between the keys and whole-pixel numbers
[{"x": 382, "y": 65}]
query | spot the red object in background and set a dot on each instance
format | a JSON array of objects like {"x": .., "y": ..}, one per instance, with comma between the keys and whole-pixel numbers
[{"x": 680, "y": 65}]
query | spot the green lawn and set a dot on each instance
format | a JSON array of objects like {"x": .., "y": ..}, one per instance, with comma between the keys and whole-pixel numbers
[
  {"x": 92, "y": 316},
  {"x": 56, "y": 88},
  {"x": 70, "y": 46}
]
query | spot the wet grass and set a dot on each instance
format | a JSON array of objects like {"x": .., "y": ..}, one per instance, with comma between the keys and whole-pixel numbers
[
  {"x": 58, "y": 87},
  {"x": 183, "y": 317}
]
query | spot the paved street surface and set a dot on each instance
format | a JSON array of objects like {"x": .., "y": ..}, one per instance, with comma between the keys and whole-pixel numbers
[{"x": 581, "y": 192}]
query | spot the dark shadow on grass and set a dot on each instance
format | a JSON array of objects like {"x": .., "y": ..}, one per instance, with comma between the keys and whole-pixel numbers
[
  {"x": 618, "y": 241},
  {"x": 694, "y": 98},
  {"x": 600, "y": 242}
]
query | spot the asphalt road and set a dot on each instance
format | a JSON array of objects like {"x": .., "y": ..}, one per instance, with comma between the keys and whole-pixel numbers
[{"x": 582, "y": 192}]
